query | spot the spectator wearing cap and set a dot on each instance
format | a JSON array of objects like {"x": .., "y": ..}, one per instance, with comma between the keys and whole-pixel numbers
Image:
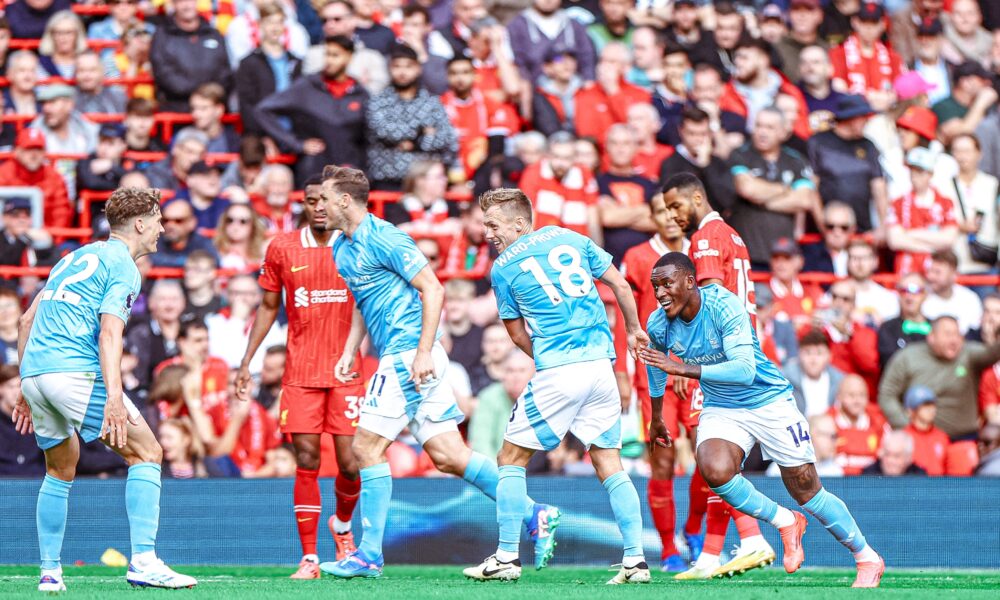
[
  {"x": 947, "y": 364},
  {"x": 376, "y": 36},
  {"x": 814, "y": 380},
  {"x": 453, "y": 39},
  {"x": 930, "y": 444},
  {"x": 27, "y": 18},
  {"x": 965, "y": 37},
  {"x": 104, "y": 168},
  {"x": 405, "y": 123},
  {"x": 972, "y": 97},
  {"x": 171, "y": 172},
  {"x": 922, "y": 221},
  {"x": 895, "y": 457},
  {"x": 756, "y": 84},
  {"x": 910, "y": 325},
  {"x": 859, "y": 426},
  {"x": 853, "y": 344},
  {"x": 988, "y": 444},
  {"x": 874, "y": 304},
  {"x": 66, "y": 130},
  {"x": 203, "y": 192},
  {"x": 686, "y": 31},
  {"x": 774, "y": 186},
  {"x": 804, "y": 18},
  {"x": 794, "y": 300},
  {"x": 28, "y": 167},
  {"x": 18, "y": 97},
  {"x": 905, "y": 24},
  {"x": 92, "y": 96},
  {"x": 367, "y": 66},
  {"x": 915, "y": 128},
  {"x": 947, "y": 297},
  {"x": 268, "y": 68},
  {"x": 605, "y": 101},
  {"x": 208, "y": 105},
  {"x": 624, "y": 195},
  {"x": 928, "y": 61},
  {"x": 831, "y": 255},
  {"x": 544, "y": 25},
  {"x": 19, "y": 241},
  {"x": 815, "y": 82},
  {"x": 771, "y": 24},
  {"x": 179, "y": 237},
  {"x": 554, "y": 97},
  {"x": 564, "y": 193},
  {"x": 414, "y": 32},
  {"x": 696, "y": 154},
  {"x": 847, "y": 164},
  {"x": 186, "y": 52},
  {"x": 613, "y": 24},
  {"x": 863, "y": 64},
  {"x": 265, "y": 18},
  {"x": 131, "y": 59}
]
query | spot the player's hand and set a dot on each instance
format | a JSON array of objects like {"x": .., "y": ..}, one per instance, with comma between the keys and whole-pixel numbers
[
  {"x": 681, "y": 386},
  {"x": 344, "y": 369},
  {"x": 655, "y": 358},
  {"x": 658, "y": 435},
  {"x": 637, "y": 341},
  {"x": 116, "y": 422},
  {"x": 243, "y": 383},
  {"x": 21, "y": 415},
  {"x": 422, "y": 369}
]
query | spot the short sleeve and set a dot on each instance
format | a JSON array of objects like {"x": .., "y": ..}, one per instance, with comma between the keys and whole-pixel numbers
[
  {"x": 400, "y": 253},
  {"x": 506, "y": 304},
  {"x": 803, "y": 176},
  {"x": 120, "y": 292},
  {"x": 706, "y": 254},
  {"x": 597, "y": 258},
  {"x": 738, "y": 163},
  {"x": 734, "y": 323},
  {"x": 271, "y": 269}
]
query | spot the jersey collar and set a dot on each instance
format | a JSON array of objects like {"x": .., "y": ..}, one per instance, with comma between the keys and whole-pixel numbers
[
  {"x": 712, "y": 216},
  {"x": 308, "y": 239}
]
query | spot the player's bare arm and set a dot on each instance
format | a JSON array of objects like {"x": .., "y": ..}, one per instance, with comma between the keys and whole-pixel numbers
[
  {"x": 267, "y": 313},
  {"x": 432, "y": 295},
  {"x": 659, "y": 435},
  {"x": 344, "y": 369},
  {"x": 21, "y": 414},
  {"x": 637, "y": 338},
  {"x": 116, "y": 417},
  {"x": 655, "y": 358},
  {"x": 519, "y": 334}
]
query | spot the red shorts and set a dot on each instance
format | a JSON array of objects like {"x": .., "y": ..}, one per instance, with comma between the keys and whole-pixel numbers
[
  {"x": 320, "y": 410},
  {"x": 675, "y": 412}
]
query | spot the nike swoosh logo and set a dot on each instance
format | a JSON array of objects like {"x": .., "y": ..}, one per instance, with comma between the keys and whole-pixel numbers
[
  {"x": 489, "y": 573},
  {"x": 297, "y": 269},
  {"x": 354, "y": 423},
  {"x": 304, "y": 520}
]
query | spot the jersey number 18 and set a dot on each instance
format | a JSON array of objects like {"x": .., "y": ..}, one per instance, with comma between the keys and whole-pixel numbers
[{"x": 577, "y": 289}]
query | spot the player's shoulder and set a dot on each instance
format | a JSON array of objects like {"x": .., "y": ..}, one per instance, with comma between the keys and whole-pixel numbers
[
  {"x": 720, "y": 300},
  {"x": 287, "y": 239},
  {"x": 656, "y": 321}
]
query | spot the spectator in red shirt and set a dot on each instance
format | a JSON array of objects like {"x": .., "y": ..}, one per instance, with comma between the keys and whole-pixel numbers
[
  {"x": 192, "y": 343},
  {"x": 860, "y": 426},
  {"x": 853, "y": 345},
  {"x": 29, "y": 168},
  {"x": 989, "y": 384},
  {"x": 563, "y": 193},
  {"x": 794, "y": 301},
  {"x": 624, "y": 195},
  {"x": 922, "y": 221},
  {"x": 930, "y": 444},
  {"x": 650, "y": 154},
  {"x": 604, "y": 102},
  {"x": 863, "y": 64}
]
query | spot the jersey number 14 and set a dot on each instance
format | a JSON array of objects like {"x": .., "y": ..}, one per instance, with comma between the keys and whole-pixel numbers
[{"x": 575, "y": 287}]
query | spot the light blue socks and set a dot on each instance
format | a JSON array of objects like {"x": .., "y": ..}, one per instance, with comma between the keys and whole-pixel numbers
[
  {"x": 628, "y": 513},
  {"x": 744, "y": 497},
  {"x": 50, "y": 519},
  {"x": 512, "y": 503},
  {"x": 834, "y": 515},
  {"x": 376, "y": 492},
  {"x": 482, "y": 473},
  {"x": 142, "y": 502}
]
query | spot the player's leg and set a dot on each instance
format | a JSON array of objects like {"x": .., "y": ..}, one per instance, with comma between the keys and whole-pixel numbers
[
  {"x": 698, "y": 493},
  {"x": 803, "y": 484},
  {"x": 342, "y": 408},
  {"x": 307, "y": 500},
  {"x": 660, "y": 490}
]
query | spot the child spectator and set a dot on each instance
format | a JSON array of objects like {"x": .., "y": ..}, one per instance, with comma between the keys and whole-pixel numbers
[{"x": 930, "y": 444}]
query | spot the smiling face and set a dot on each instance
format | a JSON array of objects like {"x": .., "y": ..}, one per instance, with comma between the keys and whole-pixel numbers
[
  {"x": 673, "y": 288},
  {"x": 501, "y": 227}
]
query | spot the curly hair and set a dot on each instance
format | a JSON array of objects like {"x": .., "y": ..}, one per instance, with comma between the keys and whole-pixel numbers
[{"x": 127, "y": 203}]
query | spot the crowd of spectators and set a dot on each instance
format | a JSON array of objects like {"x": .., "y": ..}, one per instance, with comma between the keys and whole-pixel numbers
[{"x": 854, "y": 145}]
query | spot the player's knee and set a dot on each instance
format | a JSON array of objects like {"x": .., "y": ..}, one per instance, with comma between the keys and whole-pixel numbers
[
  {"x": 716, "y": 472},
  {"x": 662, "y": 463},
  {"x": 150, "y": 453},
  {"x": 364, "y": 452},
  {"x": 308, "y": 458},
  {"x": 62, "y": 472}
]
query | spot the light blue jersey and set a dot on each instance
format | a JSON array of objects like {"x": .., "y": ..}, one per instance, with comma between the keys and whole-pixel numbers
[
  {"x": 378, "y": 263},
  {"x": 100, "y": 278},
  {"x": 720, "y": 332},
  {"x": 547, "y": 277}
]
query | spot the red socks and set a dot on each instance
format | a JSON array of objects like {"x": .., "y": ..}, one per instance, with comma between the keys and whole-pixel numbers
[
  {"x": 308, "y": 506},
  {"x": 745, "y": 524},
  {"x": 715, "y": 526},
  {"x": 661, "y": 503},
  {"x": 348, "y": 491},
  {"x": 698, "y": 493}
]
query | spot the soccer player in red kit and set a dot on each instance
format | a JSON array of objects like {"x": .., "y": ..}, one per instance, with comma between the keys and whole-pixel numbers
[
  {"x": 636, "y": 266},
  {"x": 313, "y": 401},
  {"x": 720, "y": 257}
]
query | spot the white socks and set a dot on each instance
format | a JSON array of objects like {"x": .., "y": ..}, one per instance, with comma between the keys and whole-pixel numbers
[
  {"x": 341, "y": 526},
  {"x": 311, "y": 558},
  {"x": 630, "y": 561},
  {"x": 867, "y": 554},
  {"x": 505, "y": 556},
  {"x": 783, "y": 518},
  {"x": 144, "y": 559}
]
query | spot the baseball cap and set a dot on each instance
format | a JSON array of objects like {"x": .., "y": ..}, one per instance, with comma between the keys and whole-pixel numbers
[
  {"x": 201, "y": 167},
  {"x": 919, "y": 119},
  {"x": 785, "y": 247},
  {"x": 56, "y": 90},
  {"x": 930, "y": 27},
  {"x": 921, "y": 158},
  {"x": 911, "y": 84},
  {"x": 30, "y": 138},
  {"x": 918, "y": 395},
  {"x": 871, "y": 11},
  {"x": 772, "y": 11},
  {"x": 16, "y": 203},
  {"x": 970, "y": 68},
  {"x": 112, "y": 130},
  {"x": 812, "y": 4}
]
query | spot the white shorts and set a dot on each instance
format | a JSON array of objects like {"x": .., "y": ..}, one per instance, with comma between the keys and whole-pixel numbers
[
  {"x": 580, "y": 397},
  {"x": 62, "y": 402},
  {"x": 392, "y": 403},
  {"x": 780, "y": 428}
]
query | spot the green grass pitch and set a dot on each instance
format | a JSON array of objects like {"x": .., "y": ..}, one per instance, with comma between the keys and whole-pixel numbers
[{"x": 557, "y": 583}]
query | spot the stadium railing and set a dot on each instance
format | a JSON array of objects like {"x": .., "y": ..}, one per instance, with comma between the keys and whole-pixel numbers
[{"x": 164, "y": 123}]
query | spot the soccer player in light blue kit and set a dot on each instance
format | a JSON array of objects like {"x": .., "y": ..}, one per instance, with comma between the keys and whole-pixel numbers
[
  {"x": 544, "y": 280},
  {"x": 70, "y": 346},
  {"x": 398, "y": 302},
  {"x": 747, "y": 400}
]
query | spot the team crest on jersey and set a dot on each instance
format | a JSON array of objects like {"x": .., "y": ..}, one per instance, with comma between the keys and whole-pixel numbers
[
  {"x": 130, "y": 300},
  {"x": 703, "y": 244},
  {"x": 737, "y": 239},
  {"x": 713, "y": 342}
]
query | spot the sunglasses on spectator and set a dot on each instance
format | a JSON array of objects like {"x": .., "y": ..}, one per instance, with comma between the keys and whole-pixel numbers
[
  {"x": 910, "y": 289},
  {"x": 841, "y": 226}
]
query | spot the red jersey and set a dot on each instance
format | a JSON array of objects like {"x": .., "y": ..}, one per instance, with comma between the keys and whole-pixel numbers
[
  {"x": 718, "y": 252},
  {"x": 863, "y": 73},
  {"x": 858, "y": 442},
  {"x": 930, "y": 449},
  {"x": 214, "y": 380},
  {"x": 989, "y": 389},
  {"x": 564, "y": 203},
  {"x": 930, "y": 211},
  {"x": 258, "y": 434},
  {"x": 795, "y": 300},
  {"x": 648, "y": 164},
  {"x": 474, "y": 120},
  {"x": 596, "y": 110},
  {"x": 318, "y": 304}
]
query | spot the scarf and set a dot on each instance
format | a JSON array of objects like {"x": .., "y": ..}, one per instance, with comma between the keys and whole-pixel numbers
[
  {"x": 857, "y": 82},
  {"x": 436, "y": 213}
]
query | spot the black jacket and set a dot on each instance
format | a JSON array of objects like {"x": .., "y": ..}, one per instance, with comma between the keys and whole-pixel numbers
[
  {"x": 86, "y": 179},
  {"x": 817, "y": 258},
  {"x": 891, "y": 339},
  {"x": 315, "y": 113},
  {"x": 255, "y": 81},
  {"x": 717, "y": 177},
  {"x": 184, "y": 60}
]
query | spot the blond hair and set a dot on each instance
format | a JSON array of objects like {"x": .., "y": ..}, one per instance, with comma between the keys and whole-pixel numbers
[{"x": 512, "y": 200}]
